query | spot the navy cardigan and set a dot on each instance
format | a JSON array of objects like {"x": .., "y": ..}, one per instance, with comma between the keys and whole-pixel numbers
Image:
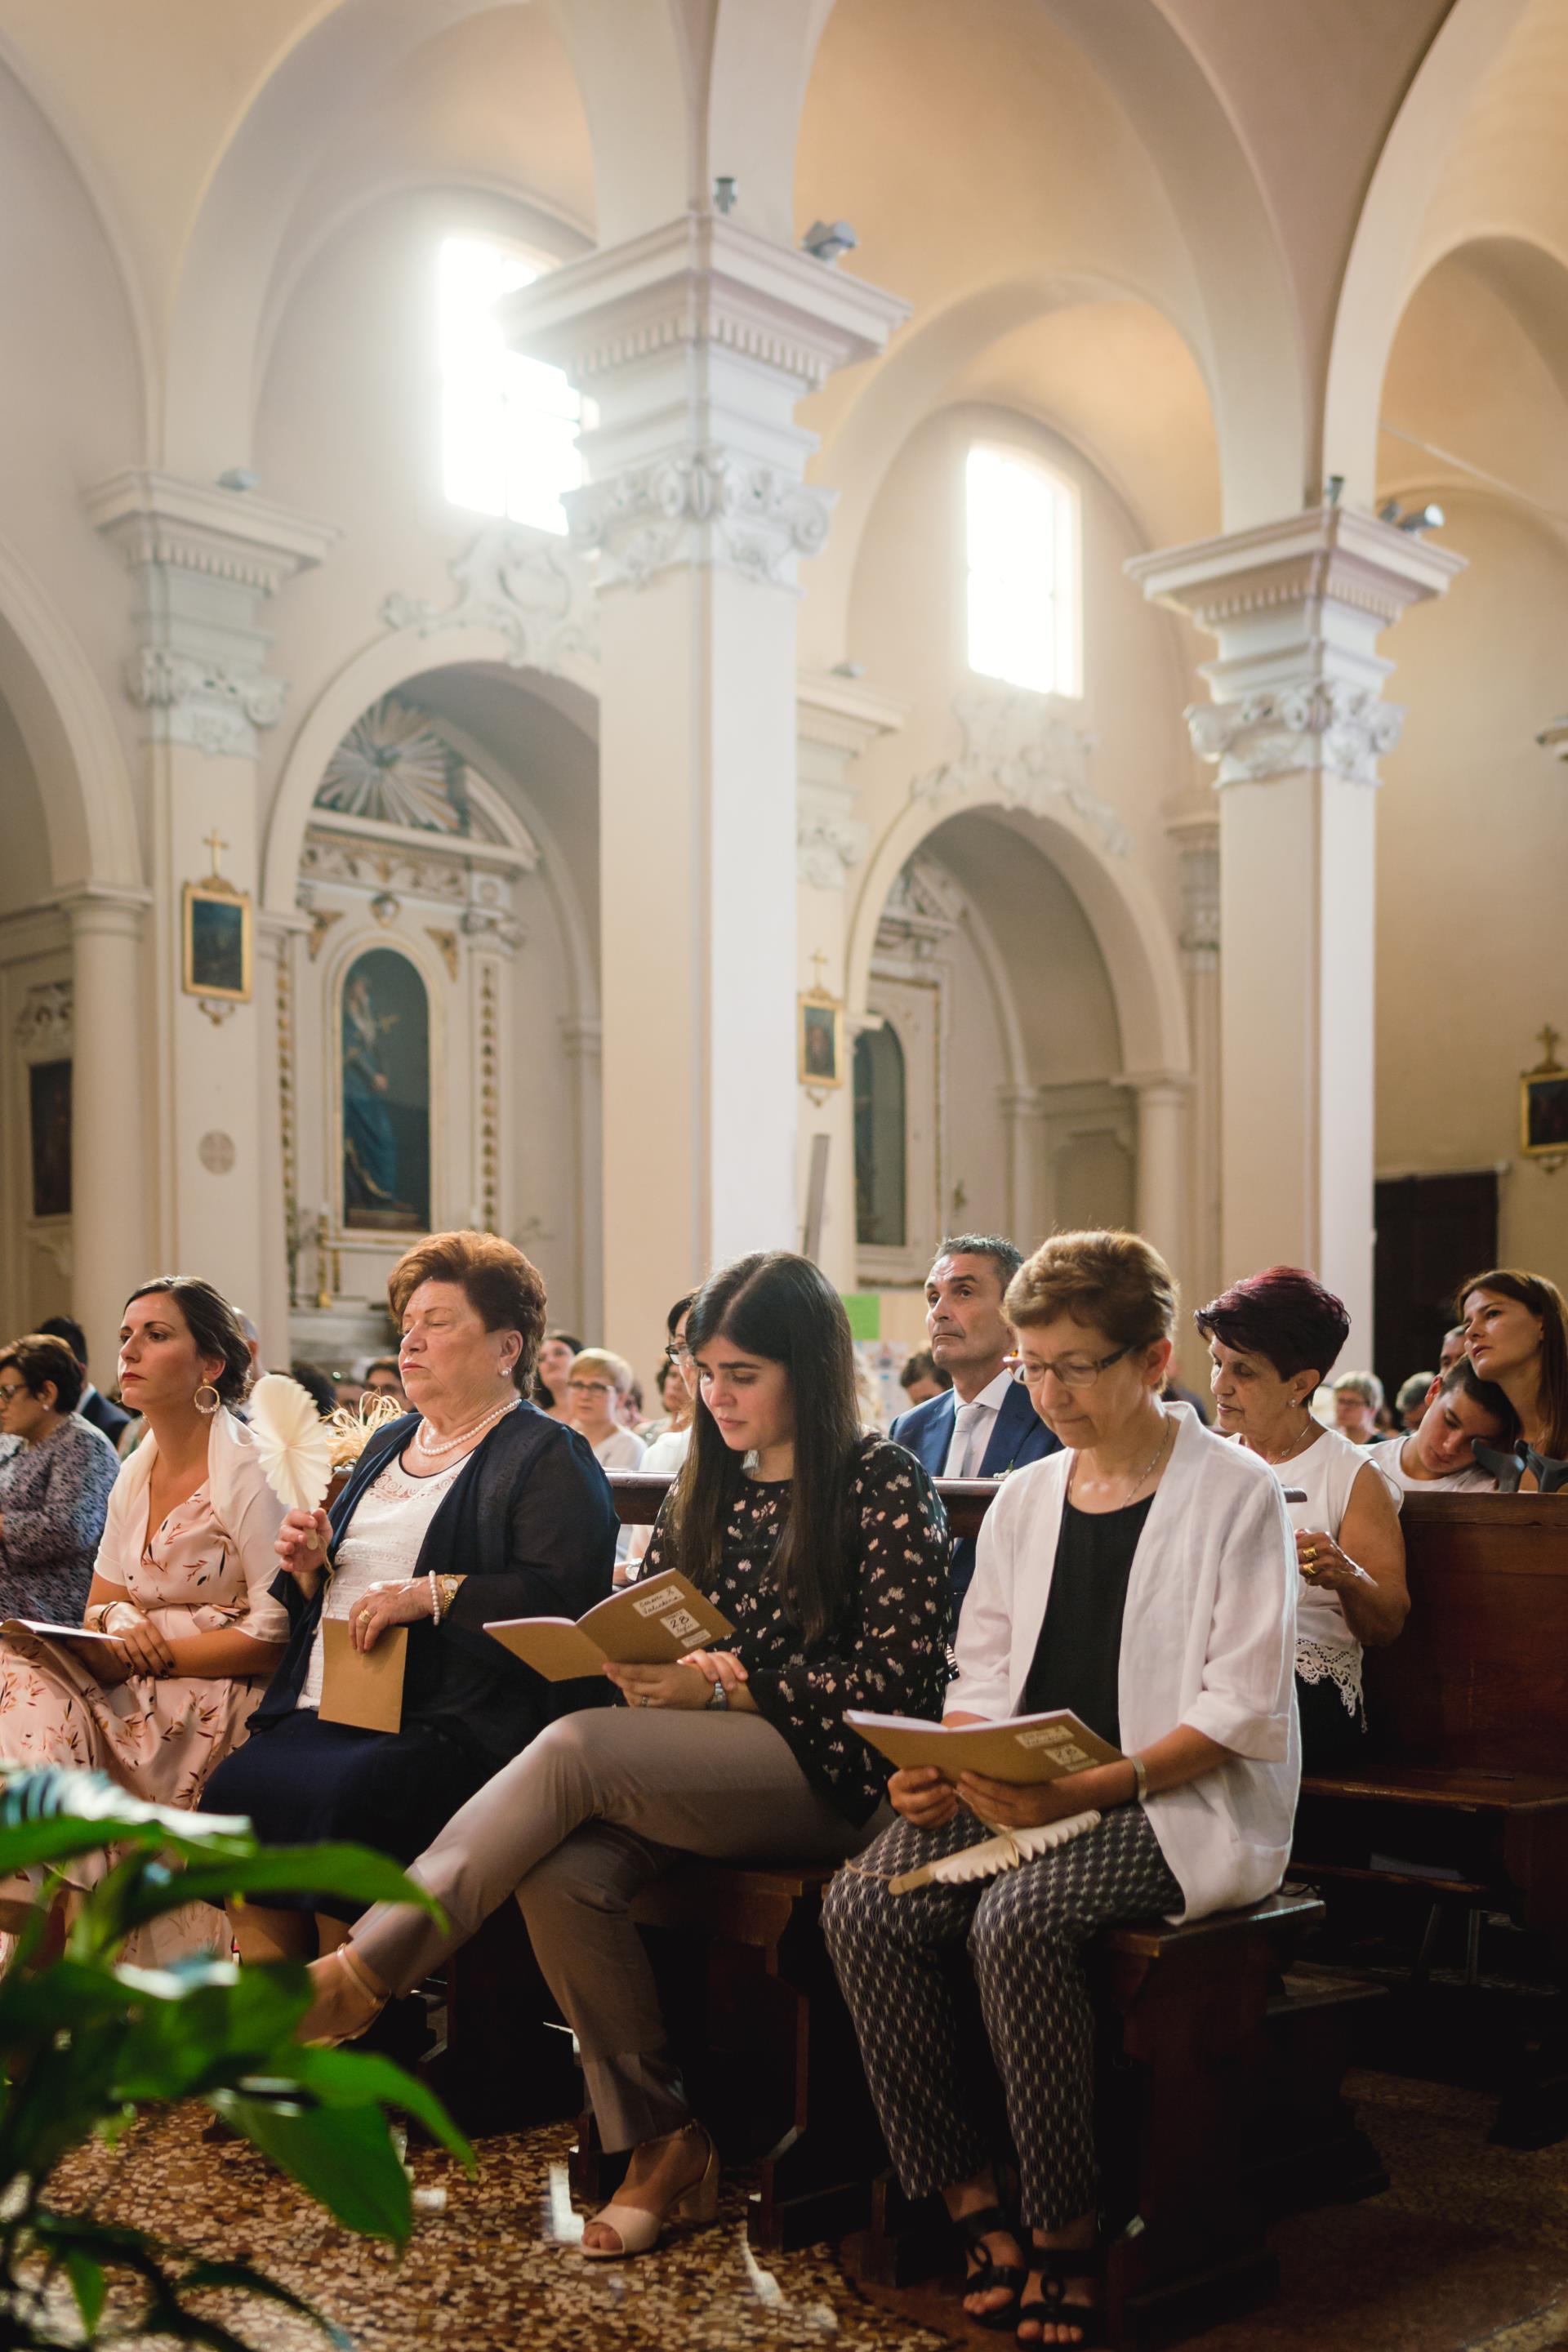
[{"x": 529, "y": 1523}]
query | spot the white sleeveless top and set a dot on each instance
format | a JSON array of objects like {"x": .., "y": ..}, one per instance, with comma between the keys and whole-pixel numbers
[
  {"x": 382, "y": 1544},
  {"x": 1325, "y": 1647}
]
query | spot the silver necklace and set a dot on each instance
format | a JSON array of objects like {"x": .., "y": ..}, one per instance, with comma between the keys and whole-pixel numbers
[
  {"x": 1148, "y": 1468},
  {"x": 1309, "y": 1431},
  {"x": 434, "y": 1453}
]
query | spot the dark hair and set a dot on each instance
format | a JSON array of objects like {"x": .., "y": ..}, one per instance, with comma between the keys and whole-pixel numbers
[
  {"x": 1118, "y": 1282},
  {"x": 504, "y": 1288},
  {"x": 384, "y": 1364},
  {"x": 1543, "y": 1298},
  {"x": 1485, "y": 1394},
  {"x": 1004, "y": 1254},
  {"x": 317, "y": 1387},
  {"x": 783, "y": 1309},
  {"x": 42, "y": 1357},
  {"x": 923, "y": 1366},
  {"x": 61, "y": 1326},
  {"x": 681, "y": 1306},
  {"x": 1283, "y": 1314},
  {"x": 542, "y": 1393},
  {"x": 210, "y": 1320}
]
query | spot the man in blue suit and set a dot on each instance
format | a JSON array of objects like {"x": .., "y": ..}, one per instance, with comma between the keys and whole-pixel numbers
[{"x": 985, "y": 1425}]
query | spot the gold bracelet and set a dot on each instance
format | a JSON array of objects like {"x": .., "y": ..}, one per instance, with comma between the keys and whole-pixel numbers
[{"x": 446, "y": 1588}]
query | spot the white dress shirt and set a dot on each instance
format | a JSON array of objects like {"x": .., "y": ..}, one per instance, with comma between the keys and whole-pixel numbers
[{"x": 971, "y": 1426}]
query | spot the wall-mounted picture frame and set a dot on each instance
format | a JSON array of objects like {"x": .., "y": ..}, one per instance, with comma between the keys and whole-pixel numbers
[
  {"x": 217, "y": 942},
  {"x": 820, "y": 1040},
  {"x": 1544, "y": 1113}
]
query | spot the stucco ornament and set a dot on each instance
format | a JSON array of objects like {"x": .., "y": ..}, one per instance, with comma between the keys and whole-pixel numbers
[
  {"x": 1320, "y": 724},
  {"x": 531, "y": 588},
  {"x": 704, "y": 504},
  {"x": 394, "y": 765},
  {"x": 1019, "y": 750}
]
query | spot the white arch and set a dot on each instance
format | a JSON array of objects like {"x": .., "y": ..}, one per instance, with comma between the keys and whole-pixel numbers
[
  {"x": 65, "y": 721},
  {"x": 1130, "y": 929},
  {"x": 1377, "y": 283},
  {"x": 380, "y": 670},
  {"x": 762, "y": 59}
]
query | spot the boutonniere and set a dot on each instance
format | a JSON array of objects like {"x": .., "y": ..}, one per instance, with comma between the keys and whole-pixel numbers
[{"x": 998, "y": 1475}]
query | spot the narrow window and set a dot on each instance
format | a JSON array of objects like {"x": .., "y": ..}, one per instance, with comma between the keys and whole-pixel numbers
[
  {"x": 881, "y": 1184},
  {"x": 510, "y": 425},
  {"x": 1023, "y": 585}
]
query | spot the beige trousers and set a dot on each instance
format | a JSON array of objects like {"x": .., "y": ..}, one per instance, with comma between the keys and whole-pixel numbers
[{"x": 596, "y": 1807}]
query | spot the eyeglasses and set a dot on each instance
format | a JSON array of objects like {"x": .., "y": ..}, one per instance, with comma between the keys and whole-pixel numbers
[
  {"x": 1068, "y": 1371},
  {"x": 678, "y": 1353},
  {"x": 13, "y": 1389},
  {"x": 592, "y": 1388}
]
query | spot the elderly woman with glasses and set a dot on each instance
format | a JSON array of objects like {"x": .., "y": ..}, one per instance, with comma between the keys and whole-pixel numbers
[
  {"x": 56, "y": 1473},
  {"x": 1142, "y": 1579}
]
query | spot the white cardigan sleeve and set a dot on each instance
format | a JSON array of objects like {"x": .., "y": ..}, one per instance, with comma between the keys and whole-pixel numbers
[
  {"x": 1247, "y": 1694},
  {"x": 984, "y": 1640}
]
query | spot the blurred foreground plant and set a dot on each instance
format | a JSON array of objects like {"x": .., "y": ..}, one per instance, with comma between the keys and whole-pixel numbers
[{"x": 86, "y": 2040}]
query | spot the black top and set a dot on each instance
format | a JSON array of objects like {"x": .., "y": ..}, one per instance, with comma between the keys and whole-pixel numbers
[
  {"x": 1077, "y": 1657},
  {"x": 887, "y": 1651},
  {"x": 529, "y": 1523}
]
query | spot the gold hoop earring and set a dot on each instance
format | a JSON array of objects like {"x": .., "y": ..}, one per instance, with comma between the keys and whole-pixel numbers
[{"x": 199, "y": 1400}]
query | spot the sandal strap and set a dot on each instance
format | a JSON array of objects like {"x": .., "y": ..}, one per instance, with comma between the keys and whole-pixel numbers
[
  {"x": 1056, "y": 2264},
  {"x": 988, "y": 2221}
]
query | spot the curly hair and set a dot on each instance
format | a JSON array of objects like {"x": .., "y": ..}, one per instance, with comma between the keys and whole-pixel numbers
[{"x": 505, "y": 1289}]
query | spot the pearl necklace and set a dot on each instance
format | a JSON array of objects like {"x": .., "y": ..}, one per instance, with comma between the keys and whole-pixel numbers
[{"x": 434, "y": 1453}]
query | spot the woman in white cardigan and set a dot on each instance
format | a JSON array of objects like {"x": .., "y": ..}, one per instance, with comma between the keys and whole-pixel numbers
[{"x": 1144, "y": 1577}]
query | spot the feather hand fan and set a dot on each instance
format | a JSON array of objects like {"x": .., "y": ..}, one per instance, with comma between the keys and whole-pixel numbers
[{"x": 292, "y": 1440}]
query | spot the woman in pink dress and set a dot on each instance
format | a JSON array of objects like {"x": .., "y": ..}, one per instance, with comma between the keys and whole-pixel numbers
[{"x": 181, "y": 1586}]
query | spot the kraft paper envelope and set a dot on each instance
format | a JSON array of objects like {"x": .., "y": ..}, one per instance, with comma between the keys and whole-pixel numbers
[
  {"x": 649, "y": 1625},
  {"x": 1028, "y": 1748},
  {"x": 363, "y": 1687}
]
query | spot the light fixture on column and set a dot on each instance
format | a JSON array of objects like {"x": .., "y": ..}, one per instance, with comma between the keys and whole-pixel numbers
[
  {"x": 724, "y": 192},
  {"x": 239, "y": 478},
  {"x": 825, "y": 240},
  {"x": 1417, "y": 521}
]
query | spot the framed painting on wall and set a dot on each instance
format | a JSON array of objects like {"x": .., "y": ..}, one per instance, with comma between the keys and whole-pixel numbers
[
  {"x": 820, "y": 1048},
  {"x": 217, "y": 942},
  {"x": 49, "y": 1132},
  {"x": 1544, "y": 1104},
  {"x": 385, "y": 1032}
]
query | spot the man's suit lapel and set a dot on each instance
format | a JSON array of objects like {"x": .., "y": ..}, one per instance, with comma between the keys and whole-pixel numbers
[
  {"x": 1008, "y": 1431},
  {"x": 937, "y": 1435}
]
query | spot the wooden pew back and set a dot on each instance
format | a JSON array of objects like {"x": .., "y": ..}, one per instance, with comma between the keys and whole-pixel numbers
[{"x": 1480, "y": 1675}]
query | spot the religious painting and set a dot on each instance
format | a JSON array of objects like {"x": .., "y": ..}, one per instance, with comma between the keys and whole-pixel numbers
[
  {"x": 385, "y": 1092},
  {"x": 821, "y": 1027},
  {"x": 881, "y": 1183},
  {"x": 217, "y": 942},
  {"x": 49, "y": 1124},
  {"x": 1543, "y": 1111}
]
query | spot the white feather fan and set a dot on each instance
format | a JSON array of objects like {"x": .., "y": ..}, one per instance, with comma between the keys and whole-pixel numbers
[{"x": 292, "y": 1440}]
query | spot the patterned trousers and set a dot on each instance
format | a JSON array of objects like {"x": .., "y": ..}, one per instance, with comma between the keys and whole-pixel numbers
[{"x": 1025, "y": 1931}]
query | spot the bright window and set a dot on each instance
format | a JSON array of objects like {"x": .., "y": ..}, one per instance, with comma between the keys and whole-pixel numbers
[
  {"x": 508, "y": 424},
  {"x": 1024, "y": 587}
]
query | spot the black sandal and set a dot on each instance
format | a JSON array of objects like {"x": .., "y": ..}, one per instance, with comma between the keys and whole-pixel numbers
[
  {"x": 991, "y": 2222},
  {"x": 1057, "y": 2265}
]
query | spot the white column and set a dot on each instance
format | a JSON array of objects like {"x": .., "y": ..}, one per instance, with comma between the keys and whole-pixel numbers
[
  {"x": 203, "y": 561},
  {"x": 278, "y": 1128},
  {"x": 1161, "y": 1195},
  {"x": 1295, "y": 730},
  {"x": 696, "y": 342},
  {"x": 1197, "y": 836},
  {"x": 111, "y": 1075},
  {"x": 1023, "y": 1117},
  {"x": 584, "y": 1042}
]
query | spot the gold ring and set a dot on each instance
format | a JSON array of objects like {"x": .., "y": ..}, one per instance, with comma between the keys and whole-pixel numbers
[{"x": 1310, "y": 1554}]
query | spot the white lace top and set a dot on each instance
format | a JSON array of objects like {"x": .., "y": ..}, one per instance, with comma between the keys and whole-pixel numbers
[
  {"x": 1325, "y": 1647},
  {"x": 383, "y": 1545}
]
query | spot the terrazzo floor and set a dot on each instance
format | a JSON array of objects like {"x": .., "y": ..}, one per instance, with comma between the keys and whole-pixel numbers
[{"x": 1468, "y": 2252}]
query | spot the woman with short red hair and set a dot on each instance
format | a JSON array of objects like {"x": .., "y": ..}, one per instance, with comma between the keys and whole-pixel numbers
[{"x": 1274, "y": 1339}]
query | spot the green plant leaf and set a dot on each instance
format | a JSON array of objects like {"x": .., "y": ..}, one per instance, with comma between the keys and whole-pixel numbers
[
  {"x": 214, "y": 2029},
  {"x": 87, "y": 2284},
  {"x": 344, "y": 2156},
  {"x": 352, "y": 1873},
  {"x": 242, "y": 2278},
  {"x": 340, "y": 2078}
]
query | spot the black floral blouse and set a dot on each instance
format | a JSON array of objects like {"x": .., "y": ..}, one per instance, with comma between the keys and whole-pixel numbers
[{"x": 887, "y": 1653}]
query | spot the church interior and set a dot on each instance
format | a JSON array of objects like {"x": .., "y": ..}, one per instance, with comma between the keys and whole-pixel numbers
[{"x": 670, "y": 629}]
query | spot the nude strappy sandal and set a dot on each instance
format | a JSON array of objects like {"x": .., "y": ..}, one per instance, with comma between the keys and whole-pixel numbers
[{"x": 640, "y": 2231}]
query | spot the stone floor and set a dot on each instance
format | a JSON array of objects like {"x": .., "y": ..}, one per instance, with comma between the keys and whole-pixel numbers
[{"x": 1467, "y": 2249}]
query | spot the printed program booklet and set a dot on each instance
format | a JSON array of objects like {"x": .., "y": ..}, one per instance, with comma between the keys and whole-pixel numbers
[
  {"x": 649, "y": 1625},
  {"x": 1027, "y": 1748}
]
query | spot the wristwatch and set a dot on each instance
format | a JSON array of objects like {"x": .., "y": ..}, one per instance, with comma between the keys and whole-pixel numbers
[
  {"x": 1139, "y": 1779},
  {"x": 718, "y": 1695}
]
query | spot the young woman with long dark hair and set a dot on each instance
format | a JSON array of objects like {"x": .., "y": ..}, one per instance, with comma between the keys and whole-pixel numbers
[
  {"x": 1516, "y": 1336},
  {"x": 827, "y": 1553}
]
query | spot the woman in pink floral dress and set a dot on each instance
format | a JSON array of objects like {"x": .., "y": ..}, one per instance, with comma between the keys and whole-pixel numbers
[{"x": 182, "y": 1586}]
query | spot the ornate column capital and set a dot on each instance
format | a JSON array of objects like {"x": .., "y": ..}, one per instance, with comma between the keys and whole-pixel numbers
[
  {"x": 107, "y": 910},
  {"x": 204, "y": 559},
  {"x": 836, "y": 719},
  {"x": 1297, "y": 608},
  {"x": 695, "y": 340}
]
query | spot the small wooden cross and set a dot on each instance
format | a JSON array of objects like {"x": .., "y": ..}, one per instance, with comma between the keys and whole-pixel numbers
[
  {"x": 816, "y": 976},
  {"x": 1549, "y": 1040},
  {"x": 215, "y": 842}
]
